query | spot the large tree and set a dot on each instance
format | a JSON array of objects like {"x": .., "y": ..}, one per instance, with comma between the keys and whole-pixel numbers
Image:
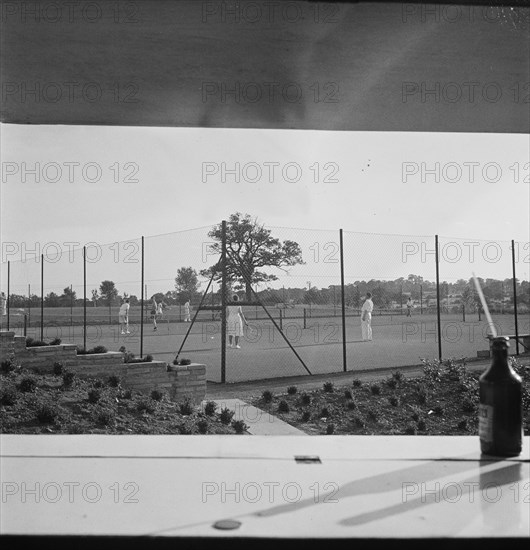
[
  {"x": 250, "y": 247},
  {"x": 186, "y": 283},
  {"x": 109, "y": 293}
]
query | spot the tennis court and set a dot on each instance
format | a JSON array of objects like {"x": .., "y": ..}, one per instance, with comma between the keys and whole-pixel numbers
[{"x": 398, "y": 340}]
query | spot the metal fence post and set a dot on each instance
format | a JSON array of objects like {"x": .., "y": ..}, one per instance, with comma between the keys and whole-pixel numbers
[
  {"x": 42, "y": 296},
  {"x": 223, "y": 301},
  {"x": 344, "y": 360},
  {"x": 142, "y": 305},
  {"x": 438, "y": 298},
  {"x": 84, "y": 297},
  {"x": 515, "y": 300}
]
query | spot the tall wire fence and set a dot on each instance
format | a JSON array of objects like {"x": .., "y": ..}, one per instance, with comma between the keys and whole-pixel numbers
[{"x": 303, "y": 315}]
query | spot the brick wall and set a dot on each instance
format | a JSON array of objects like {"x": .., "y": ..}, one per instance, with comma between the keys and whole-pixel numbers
[{"x": 179, "y": 382}]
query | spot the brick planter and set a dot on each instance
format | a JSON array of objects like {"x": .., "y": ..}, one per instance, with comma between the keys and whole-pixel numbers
[{"x": 180, "y": 382}]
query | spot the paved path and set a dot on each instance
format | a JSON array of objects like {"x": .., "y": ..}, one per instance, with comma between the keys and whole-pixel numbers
[{"x": 259, "y": 422}]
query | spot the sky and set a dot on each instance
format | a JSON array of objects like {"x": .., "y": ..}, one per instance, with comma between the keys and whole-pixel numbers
[{"x": 103, "y": 185}]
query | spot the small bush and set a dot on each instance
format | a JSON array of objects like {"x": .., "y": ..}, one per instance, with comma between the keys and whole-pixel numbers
[
  {"x": 324, "y": 412},
  {"x": 415, "y": 416},
  {"x": 305, "y": 399},
  {"x": 351, "y": 405},
  {"x": 148, "y": 358},
  {"x": 210, "y": 408},
  {"x": 468, "y": 405},
  {"x": 104, "y": 417},
  {"x": 358, "y": 421},
  {"x": 202, "y": 426},
  {"x": 375, "y": 389},
  {"x": 98, "y": 383},
  {"x": 394, "y": 401},
  {"x": 146, "y": 406},
  {"x": 328, "y": 387},
  {"x": 47, "y": 413},
  {"x": 94, "y": 395},
  {"x": 398, "y": 376},
  {"x": 8, "y": 365},
  {"x": 462, "y": 425},
  {"x": 422, "y": 425},
  {"x": 28, "y": 384},
  {"x": 122, "y": 349},
  {"x": 291, "y": 390},
  {"x": 100, "y": 349},
  {"x": 391, "y": 383},
  {"x": 114, "y": 381},
  {"x": 267, "y": 396},
  {"x": 157, "y": 395},
  {"x": 410, "y": 429},
  {"x": 184, "y": 362},
  {"x": 226, "y": 415},
  {"x": 58, "y": 368},
  {"x": 55, "y": 342},
  {"x": 8, "y": 396},
  {"x": 31, "y": 343},
  {"x": 306, "y": 416},
  {"x": 68, "y": 378},
  {"x": 239, "y": 426},
  {"x": 330, "y": 428},
  {"x": 438, "y": 410},
  {"x": 283, "y": 406},
  {"x": 356, "y": 383},
  {"x": 348, "y": 394},
  {"x": 186, "y": 408}
]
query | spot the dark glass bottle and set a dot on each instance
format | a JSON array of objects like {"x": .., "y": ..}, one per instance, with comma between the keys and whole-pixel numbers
[{"x": 501, "y": 405}]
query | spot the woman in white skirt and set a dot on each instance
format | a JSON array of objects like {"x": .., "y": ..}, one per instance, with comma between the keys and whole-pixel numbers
[{"x": 234, "y": 323}]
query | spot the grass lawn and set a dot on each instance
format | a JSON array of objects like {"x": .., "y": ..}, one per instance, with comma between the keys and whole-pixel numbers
[
  {"x": 444, "y": 401},
  {"x": 64, "y": 404}
]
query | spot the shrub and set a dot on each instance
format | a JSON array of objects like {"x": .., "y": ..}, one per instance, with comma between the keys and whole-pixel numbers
[
  {"x": 122, "y": 349},
  {"x": 348, "y": 394},
  {"x": 358, "y": 421},
  {"x": 391, "y": 383},
  {"x": 100, "y": 349},
  {"x": 55, "y": 342},
  {"x": 410, "y": 429},
  {"x": 157, "y": 395},
  {"x": 356, "y": 383},
  {"x": 330, "y": 428},
  {"x": 186, "y": 408},
  {"x": 267, "y": 396},
  {"x": 104, "y": 417},
  {"x": 98, "y": 383},
  {"x": 114, "y": 380},
  {"x": 145, "y": 405},
  {"x": 352, "y": 405},
  {"x": 324, "y": 412},
  {"x": 422, "y": 425},
  {"x": 28, "y": 384},
  {"x": 291, "y": 390},
  {"x": 58, "y": 368},
  {"x": 8, "y": 365},
  {"x": 328, "y": 387},
  {"x": 94, "y": 396},
  {"x": 415, "y": 416},
  {"x": 438, "y": 410},
  {"x": 239, "y": 426},
  {"x": 68, "y": 378},
  {"x": 306, "y": 415},
  {"x": 468, "y": 405},
  {"x": 47, "y": 413},
  {"x": 394, "y": 401},
  {"x": 462, "y": 425},
  {"x": 31, "y": 343},
  {"x": 305, "y": 399},
  {"x": 398, "y": 376},
  {"x": 8, "y": 396},
  {"x": 210, "y": 408},
  {"x": 202, "y": 426},
  {"x": 283, "y": 406},
  {"x": 184, "y": 362},
  {"x": 375, "y": 389},
  {"x": 148, "y": 358},
  {"x": 226, "y": 415}
]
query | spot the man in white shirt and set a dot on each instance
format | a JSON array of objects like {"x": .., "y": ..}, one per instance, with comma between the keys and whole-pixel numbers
[
  {"x": 409, "y": 307},
  {"x": 366, "y": 318},
  {"x": 124, "y": 317},
  {"x": 187, "y": 312}
]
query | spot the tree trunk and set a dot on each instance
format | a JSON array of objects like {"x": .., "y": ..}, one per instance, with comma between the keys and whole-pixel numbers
[{"x": 248, "y": 291}]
